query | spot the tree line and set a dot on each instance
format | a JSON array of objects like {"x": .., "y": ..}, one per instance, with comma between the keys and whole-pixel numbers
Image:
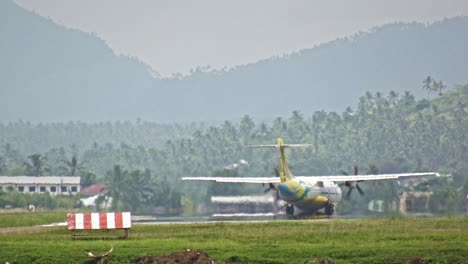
[{"x": 389, "y": 133}]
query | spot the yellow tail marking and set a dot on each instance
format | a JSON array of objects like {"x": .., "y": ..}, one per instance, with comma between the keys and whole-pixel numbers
[{"x": 283, "y": 165}]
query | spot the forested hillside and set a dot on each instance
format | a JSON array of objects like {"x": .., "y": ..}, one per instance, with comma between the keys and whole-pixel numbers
[
  {"x": 385, "y": 132},
  {"x": 333, "y": 75},
  {"x": 49, "y": 73},
  {"x": 27, "y": 137},
  {"x": 52, "y": 73}
]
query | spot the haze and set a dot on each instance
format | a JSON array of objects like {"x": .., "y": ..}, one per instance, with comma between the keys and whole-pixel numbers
[{"x": 176, "y": 36}]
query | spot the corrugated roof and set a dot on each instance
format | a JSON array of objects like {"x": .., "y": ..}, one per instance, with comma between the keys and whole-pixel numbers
[
  {"x": 93, "y": 189},
  {"x": 40, "y": 180}
]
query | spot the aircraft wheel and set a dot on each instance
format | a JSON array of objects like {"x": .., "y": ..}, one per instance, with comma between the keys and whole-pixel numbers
[
  {"x": 330, "y": 209},
  {"x": 290, "y": 209}
]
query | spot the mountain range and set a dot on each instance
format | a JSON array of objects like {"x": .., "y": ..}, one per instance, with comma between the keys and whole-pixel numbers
[{"x": 51, "y": 73}]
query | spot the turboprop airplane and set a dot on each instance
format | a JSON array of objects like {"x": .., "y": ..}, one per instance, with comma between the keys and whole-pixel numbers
[{"x": 305, "y": 195}]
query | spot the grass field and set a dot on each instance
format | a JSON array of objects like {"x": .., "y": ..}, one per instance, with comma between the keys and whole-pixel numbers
[
  {"x": 17, "y": 219},
  {"x": 441, "y": 240}
]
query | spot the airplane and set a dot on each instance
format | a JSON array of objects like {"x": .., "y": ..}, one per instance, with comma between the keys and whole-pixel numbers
[{"x": 306, "y": 195}]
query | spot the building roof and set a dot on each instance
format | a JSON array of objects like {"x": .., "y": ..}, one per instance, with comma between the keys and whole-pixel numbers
[
  {"x": 39, "y": 179},
  {"x": 93, "y": 189}
]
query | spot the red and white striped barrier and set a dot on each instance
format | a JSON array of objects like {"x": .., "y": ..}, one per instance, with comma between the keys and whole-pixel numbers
[{"x": 84, "y": 221}]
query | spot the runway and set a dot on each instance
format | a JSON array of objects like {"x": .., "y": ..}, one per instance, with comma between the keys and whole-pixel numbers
[{"x": 216, "y": 218}]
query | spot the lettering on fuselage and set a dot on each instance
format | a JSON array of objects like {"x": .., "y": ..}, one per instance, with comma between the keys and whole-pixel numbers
[{"x": 328, "y": 191}]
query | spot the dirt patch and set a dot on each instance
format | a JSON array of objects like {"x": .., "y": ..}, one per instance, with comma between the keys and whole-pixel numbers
[
  {"x": 320, "y": 261},
  {"x": 183, "y": 257},
  {"x": 416, "y": 260}
]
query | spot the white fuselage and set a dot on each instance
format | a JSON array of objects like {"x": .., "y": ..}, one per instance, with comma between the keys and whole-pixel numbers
[
  {"x": 309, "y": 195},
  {"x": 328, "y": 189}
]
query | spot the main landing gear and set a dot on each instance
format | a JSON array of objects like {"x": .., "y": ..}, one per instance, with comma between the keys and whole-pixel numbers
[
  {"x": 290, "y": 209},
  {"x": 330, "y": 209}
]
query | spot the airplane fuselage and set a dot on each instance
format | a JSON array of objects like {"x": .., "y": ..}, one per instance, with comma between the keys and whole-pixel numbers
[{"x": 309, "y": 197}]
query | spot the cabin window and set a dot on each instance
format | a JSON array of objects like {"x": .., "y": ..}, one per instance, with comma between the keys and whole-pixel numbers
[
  {"x": 74, "y": 189},
  {"x": 53, "y": 189},
  {"x": 64, "y": 189},
  {"x": 32, "y": 188},
  {"x": 42, "y": 188},
  {"x": 320, "y": 184},
  {"x": 20, "y": 188}
]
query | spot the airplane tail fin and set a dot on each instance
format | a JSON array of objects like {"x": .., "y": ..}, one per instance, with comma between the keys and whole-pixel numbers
[{"x": 283, "y": 169}]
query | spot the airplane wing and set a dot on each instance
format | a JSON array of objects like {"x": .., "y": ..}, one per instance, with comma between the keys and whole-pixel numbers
[
  {"x": 235, "y": 179},
  {"x": 340, "y": 178}
]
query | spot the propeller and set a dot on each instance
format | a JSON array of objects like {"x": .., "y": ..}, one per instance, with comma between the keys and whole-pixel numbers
[
  {"x": 352, "y": 184},
  {"x": 271, "y": 187}
]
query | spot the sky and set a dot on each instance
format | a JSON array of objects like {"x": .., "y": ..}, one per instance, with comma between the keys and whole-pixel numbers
[{"x": 174, "y": 36}]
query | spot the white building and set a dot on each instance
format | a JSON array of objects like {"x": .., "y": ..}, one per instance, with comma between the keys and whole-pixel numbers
[{"x": 43, "y": 184}]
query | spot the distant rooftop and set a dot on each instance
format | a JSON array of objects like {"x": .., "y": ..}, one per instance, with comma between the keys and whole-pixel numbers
[
  {"x": 39, "y": 180},
  {"x": 93, "y": 189}
]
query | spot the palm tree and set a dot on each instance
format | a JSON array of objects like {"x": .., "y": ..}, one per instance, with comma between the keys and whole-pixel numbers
[
  {"x": 246, "y": 127},
  {"x": 11, "y": 155},
  {"x": 37, "y": 166},
  {"x": 262, "y": 131},
  {"x": 433, "y": 86},
  {"x": 141, "y": 189},
  {"x": 297, "y": 127},
  {"x": 439, "y": 86},
  {"x": 407, "y": 100},
  {"x": 318, "y": 120},
  {"x": 88, "y": 179},
  {"x": 116, "y": 185},
  {"x": 393, "y": 97},
  {"x": 72, "y": 166},
  {"x": 427, "y": 84}
]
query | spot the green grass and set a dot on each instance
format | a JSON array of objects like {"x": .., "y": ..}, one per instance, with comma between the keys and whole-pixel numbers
[
  {"x": 17, "y": 219},
  {"x": 443, "y": 240}
]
